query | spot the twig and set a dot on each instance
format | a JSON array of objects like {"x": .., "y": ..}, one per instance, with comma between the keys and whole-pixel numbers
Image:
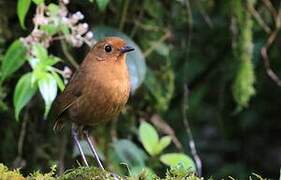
[
  {"x": 68, "y": 55},
  {"x": 22, "y": 135},
  {"x": 185, "y": 96},
  {"x": 204, "y": 15},
  {"x": 19, "y": 162},
  {"x": 190, "y": 25},
  {"x": 136, "y": 25},
  {"x": 265, "y": 48},
  {"x": 191, "y": 143},
  {"x": 147, "y": 27},
  {"x": 270, "y": 7},
  {"x": 267, "y": 65},
  {"x": 258, "y": 18},
  {"x": 124, "y": 14},
  {"x": 156, "y": 44}
]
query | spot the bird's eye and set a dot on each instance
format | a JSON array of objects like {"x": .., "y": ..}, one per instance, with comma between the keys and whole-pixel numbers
[{"x": 108, "y": 48}]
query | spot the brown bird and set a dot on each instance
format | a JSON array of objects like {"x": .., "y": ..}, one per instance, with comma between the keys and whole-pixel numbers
[{"x": 97, "y": 92}]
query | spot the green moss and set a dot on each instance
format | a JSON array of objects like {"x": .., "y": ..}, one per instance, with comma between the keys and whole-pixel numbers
[
  {"x": 243, "y": 86},
  {"x": 87, "y": 173},
  {"x": 37, "y": 175},
  {"x": 5, "y": 174},
  {"x": 91, "y": 173}
]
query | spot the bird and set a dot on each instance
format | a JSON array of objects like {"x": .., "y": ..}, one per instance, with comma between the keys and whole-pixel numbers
[{"x": 96, "y": 93}]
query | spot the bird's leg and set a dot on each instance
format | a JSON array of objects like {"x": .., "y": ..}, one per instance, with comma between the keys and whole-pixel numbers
[
  {"x": 86, "y": 133},
  {"x": 77, "y": 143}
]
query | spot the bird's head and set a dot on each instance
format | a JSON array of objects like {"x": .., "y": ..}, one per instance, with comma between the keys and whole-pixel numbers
[{"x": 111, "y": 48}]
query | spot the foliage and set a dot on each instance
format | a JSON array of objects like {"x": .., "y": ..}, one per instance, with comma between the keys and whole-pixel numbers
[{"x": 212, "y": 48}]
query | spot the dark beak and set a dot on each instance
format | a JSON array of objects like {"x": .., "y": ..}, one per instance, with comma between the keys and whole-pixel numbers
[{"x": 126, "y": 49}]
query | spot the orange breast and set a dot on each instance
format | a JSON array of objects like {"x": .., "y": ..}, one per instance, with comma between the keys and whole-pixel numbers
[{"x": 104, "y": 96}]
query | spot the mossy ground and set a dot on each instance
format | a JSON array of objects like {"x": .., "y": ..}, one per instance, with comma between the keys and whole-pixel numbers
[{"x": 87, "y": 173}]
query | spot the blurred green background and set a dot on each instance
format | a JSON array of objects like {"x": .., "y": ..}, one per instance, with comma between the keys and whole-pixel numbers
[{"x": 197, "y": 60}]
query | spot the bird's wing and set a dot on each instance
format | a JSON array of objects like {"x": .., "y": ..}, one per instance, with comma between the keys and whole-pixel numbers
[{"x": 66, "y": 99}]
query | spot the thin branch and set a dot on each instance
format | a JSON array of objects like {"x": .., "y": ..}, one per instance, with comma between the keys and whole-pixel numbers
[
  {"x": 156, "y": 44},
  {"x": 259, "y": 19},
  {"x": 191, "y": 143},
  {"x": 190, "y": 24},
  {"x": 266, "y": 61},
  {"x": 205, "y": 16},
  {"x": 136, "y": 25},
  {"x": 68, "y": 55},
  {"x": 124, "y": 15},
  {"x": 164, "y": 127},
  {"x": 19, "y": 162},
  {"x": 22, "y": 135},
  {"x": 270, "y": 7},
  {"x": 264, "y": 49}
]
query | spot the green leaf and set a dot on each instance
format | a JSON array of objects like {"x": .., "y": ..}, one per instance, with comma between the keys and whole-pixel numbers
[
  {"x": 58, "y": 80},
  {"x": 13, "y": 59},
  {"x": 173, "y": 159},
  {"x": 149, "y": 138},
  {"x": 51, "y": 60},
  {"x": 135, "y": 59},
  {"x": 22, "y": 9},
  {"x": 48, "y": 89},
  {"x": 129, "y": 153},
  {"x": 23, "y": 93},
  {"x": 102, "y": 4},
  {"x": 40, "y": 51},
  {"x": 38, "y": 1},
  {"x": 163, "y": 143}
]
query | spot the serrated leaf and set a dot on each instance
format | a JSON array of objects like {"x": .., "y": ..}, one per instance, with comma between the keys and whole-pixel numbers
[
  {"x": 48, "y": 89},
  {"x": 135, "y": 59},
  {"x": 22, "y": 9},
  {"x": 173, "y": 159},
  {"x": 13, "y": 59},
  {"x": 23, "y": 93},
  {"x": 102, "y": 4},
  {"x": 149, "y": 138},
  {"x": 129, "y": 153}
]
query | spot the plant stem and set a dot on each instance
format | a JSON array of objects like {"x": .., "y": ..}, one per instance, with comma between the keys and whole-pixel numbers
[
  {"x": 124, "y": 14},
  {"x": 68, "y": 55}
]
